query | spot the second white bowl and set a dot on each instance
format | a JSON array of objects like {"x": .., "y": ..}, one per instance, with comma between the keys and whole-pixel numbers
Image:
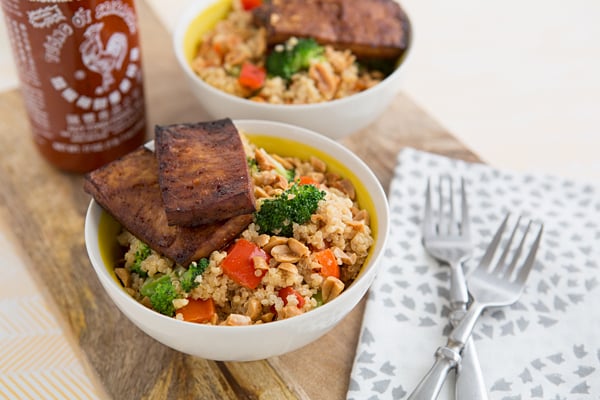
[{"x": 336, "y": 118}]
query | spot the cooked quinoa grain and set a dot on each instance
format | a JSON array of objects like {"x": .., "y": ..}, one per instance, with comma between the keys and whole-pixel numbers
[{"x": 292, "y": 275}]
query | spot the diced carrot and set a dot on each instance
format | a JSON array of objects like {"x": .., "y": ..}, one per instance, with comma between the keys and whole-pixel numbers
[
  {"x": 329, "y": 265},
  {"x": 307, "y": 180},
  {"x": 252, "y": 76},
  {"x": 238, "y": 264},
  {"x": 250, "y": 4},
  {"x": 218, "y": 48},
  {"x": 286, "y": 291},
  {"x": 198, "y": 310}
]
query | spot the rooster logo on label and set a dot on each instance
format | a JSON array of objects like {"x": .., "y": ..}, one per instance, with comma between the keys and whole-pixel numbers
[{"x": 103, "y": 58}]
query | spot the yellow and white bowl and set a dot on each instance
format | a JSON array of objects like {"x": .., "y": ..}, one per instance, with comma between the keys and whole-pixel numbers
[
  {"x": 336, "y": 119},
  {"x": 243, "y": 343}
]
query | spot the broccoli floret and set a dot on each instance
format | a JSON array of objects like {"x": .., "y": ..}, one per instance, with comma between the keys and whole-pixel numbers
[
  {"x": 161, "y": 293},
  {"x": 295, "y": 205},
  {"x": 141, "y": 254},
  {"x": 188, "y": 278},
  {"x": 289, "y": 59}
]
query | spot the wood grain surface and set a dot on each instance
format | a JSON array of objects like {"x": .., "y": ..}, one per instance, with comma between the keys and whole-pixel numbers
[{"x": 45, "y": 208}]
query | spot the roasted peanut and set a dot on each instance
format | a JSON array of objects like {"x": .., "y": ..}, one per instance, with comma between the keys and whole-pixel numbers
[
  {"x": 327, "y": 81},
  {"x": 288, "y": 267},
  {"x": 285, "y": 163},
  {"x": 259, "y": 192},
  {"x": 237, "y": 320},
  {"x": 343, "y": 257},
  {"x": 262, "y": 240},
  {"x": 360, "y": 215},
  {"x": 318, "y": 164},
  {"x": 124, "y": 276},
  {"x": 254, "y": 309},
  {"x": 316, "y": 176},
  {"x": 178, "y": 303},
  {"x": 260, "y": 263},
  {"x": 274, "y": 241},
  {"x": 331, "y": 288},
  {"x": 282, "y": 253},
  {"x": 267, "y": 317},
  {"x": 281, "y": 183},
  {"x": 146, "y": 301},
  {"x": 297, "y": 247},
  {"x": 262, "y": 160},
  {"x": 346, "y": 187},
  {"x": 289, "y": 311}
]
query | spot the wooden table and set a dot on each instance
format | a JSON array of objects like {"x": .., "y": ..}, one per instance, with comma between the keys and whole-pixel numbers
[{"x": 46, "y": 209}]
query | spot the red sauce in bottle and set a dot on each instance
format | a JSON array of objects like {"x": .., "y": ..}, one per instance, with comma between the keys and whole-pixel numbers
[{"x": 79, "y": 65}]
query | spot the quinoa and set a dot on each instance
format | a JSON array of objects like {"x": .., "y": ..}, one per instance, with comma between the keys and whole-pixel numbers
[
  {"x": 235, "y": 40},
  {"x": 338, "y": 225}
]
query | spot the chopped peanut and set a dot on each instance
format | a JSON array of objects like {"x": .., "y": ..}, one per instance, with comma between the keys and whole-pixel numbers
[
  {"x": 331, "y": 288},
  {"x": 282, "y": 253},
  {"x": 237, "y": 320}
]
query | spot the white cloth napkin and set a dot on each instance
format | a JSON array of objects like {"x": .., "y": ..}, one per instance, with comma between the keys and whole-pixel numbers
[{"x": 546, "y": 346}]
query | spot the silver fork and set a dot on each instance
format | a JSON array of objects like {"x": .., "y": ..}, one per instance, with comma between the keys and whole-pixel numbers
[
  {"x": 490, "y": 286},
  {"x": 447, "y": 238}
]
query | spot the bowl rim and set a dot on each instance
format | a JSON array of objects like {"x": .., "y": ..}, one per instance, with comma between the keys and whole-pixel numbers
[
  {"x": 192, "y": 12},
  {"x": 94, "y": 213}
]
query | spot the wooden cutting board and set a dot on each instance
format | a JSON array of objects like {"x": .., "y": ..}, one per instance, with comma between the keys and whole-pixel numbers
[{"x": 45, "y": 208}]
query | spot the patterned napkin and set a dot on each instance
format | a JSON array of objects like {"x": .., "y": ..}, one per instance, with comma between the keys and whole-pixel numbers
[{"x": 546, "y": 346}]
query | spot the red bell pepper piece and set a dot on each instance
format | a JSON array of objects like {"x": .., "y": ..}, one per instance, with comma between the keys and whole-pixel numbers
[
  {"x": 286, "y": 291},
  {"x": 252, "y": 76},
  {"x": 238, "y": 264},
  {"x": 250, "y": 4}
]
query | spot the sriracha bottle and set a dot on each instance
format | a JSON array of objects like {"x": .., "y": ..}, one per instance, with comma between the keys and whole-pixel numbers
[{"x": 80, "y": 75}]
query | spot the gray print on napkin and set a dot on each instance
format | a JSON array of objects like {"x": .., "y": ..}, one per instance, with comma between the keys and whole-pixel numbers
[{"x": 545, "y": 346}]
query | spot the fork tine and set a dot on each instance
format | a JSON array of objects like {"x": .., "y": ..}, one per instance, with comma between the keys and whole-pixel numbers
[
  {"x": 452, "y": 226},
  {"x": 528, "y": 264},
  {"x": 442, "y": 228},
  {"x": 517, "y": 254},
  {"x": 465, "y": 225},
  {"x": 491, "y": 249},
  {"x": 500, "y": 265},
  {"x": 428, "y": 224}
]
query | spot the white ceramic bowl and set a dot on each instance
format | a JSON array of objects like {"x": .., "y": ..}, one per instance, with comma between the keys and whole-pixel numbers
[
  {"x": 336, "y": 119},
  {"x": 230, "y": 343}
]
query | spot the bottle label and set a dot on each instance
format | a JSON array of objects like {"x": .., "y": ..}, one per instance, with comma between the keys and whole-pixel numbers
[{"x": 80, "y": 70}]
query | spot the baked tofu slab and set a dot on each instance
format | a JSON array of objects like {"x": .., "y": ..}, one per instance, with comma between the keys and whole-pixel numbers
[
  {"x": 128, "y": 189},
  {"x": 203, "y": 172},
  {"x": 371, "y": 29}
]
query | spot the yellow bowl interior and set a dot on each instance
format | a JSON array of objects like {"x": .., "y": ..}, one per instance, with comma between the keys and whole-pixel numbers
[{"x": 201, "y": 24}]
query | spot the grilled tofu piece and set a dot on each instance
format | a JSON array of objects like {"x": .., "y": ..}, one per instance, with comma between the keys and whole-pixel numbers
[
  {"x": 371, "y": 29},
  {"x": 128, "y": 189},
  {"x": 203, "y": 172}
]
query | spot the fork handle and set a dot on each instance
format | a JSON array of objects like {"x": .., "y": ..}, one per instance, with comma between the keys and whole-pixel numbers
[
  {"x": 446, "y": 359},
  {"x": 459, "y": 294},
  {"x": 469, "y": 379},
  {"x": 461, "y": 332}
]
